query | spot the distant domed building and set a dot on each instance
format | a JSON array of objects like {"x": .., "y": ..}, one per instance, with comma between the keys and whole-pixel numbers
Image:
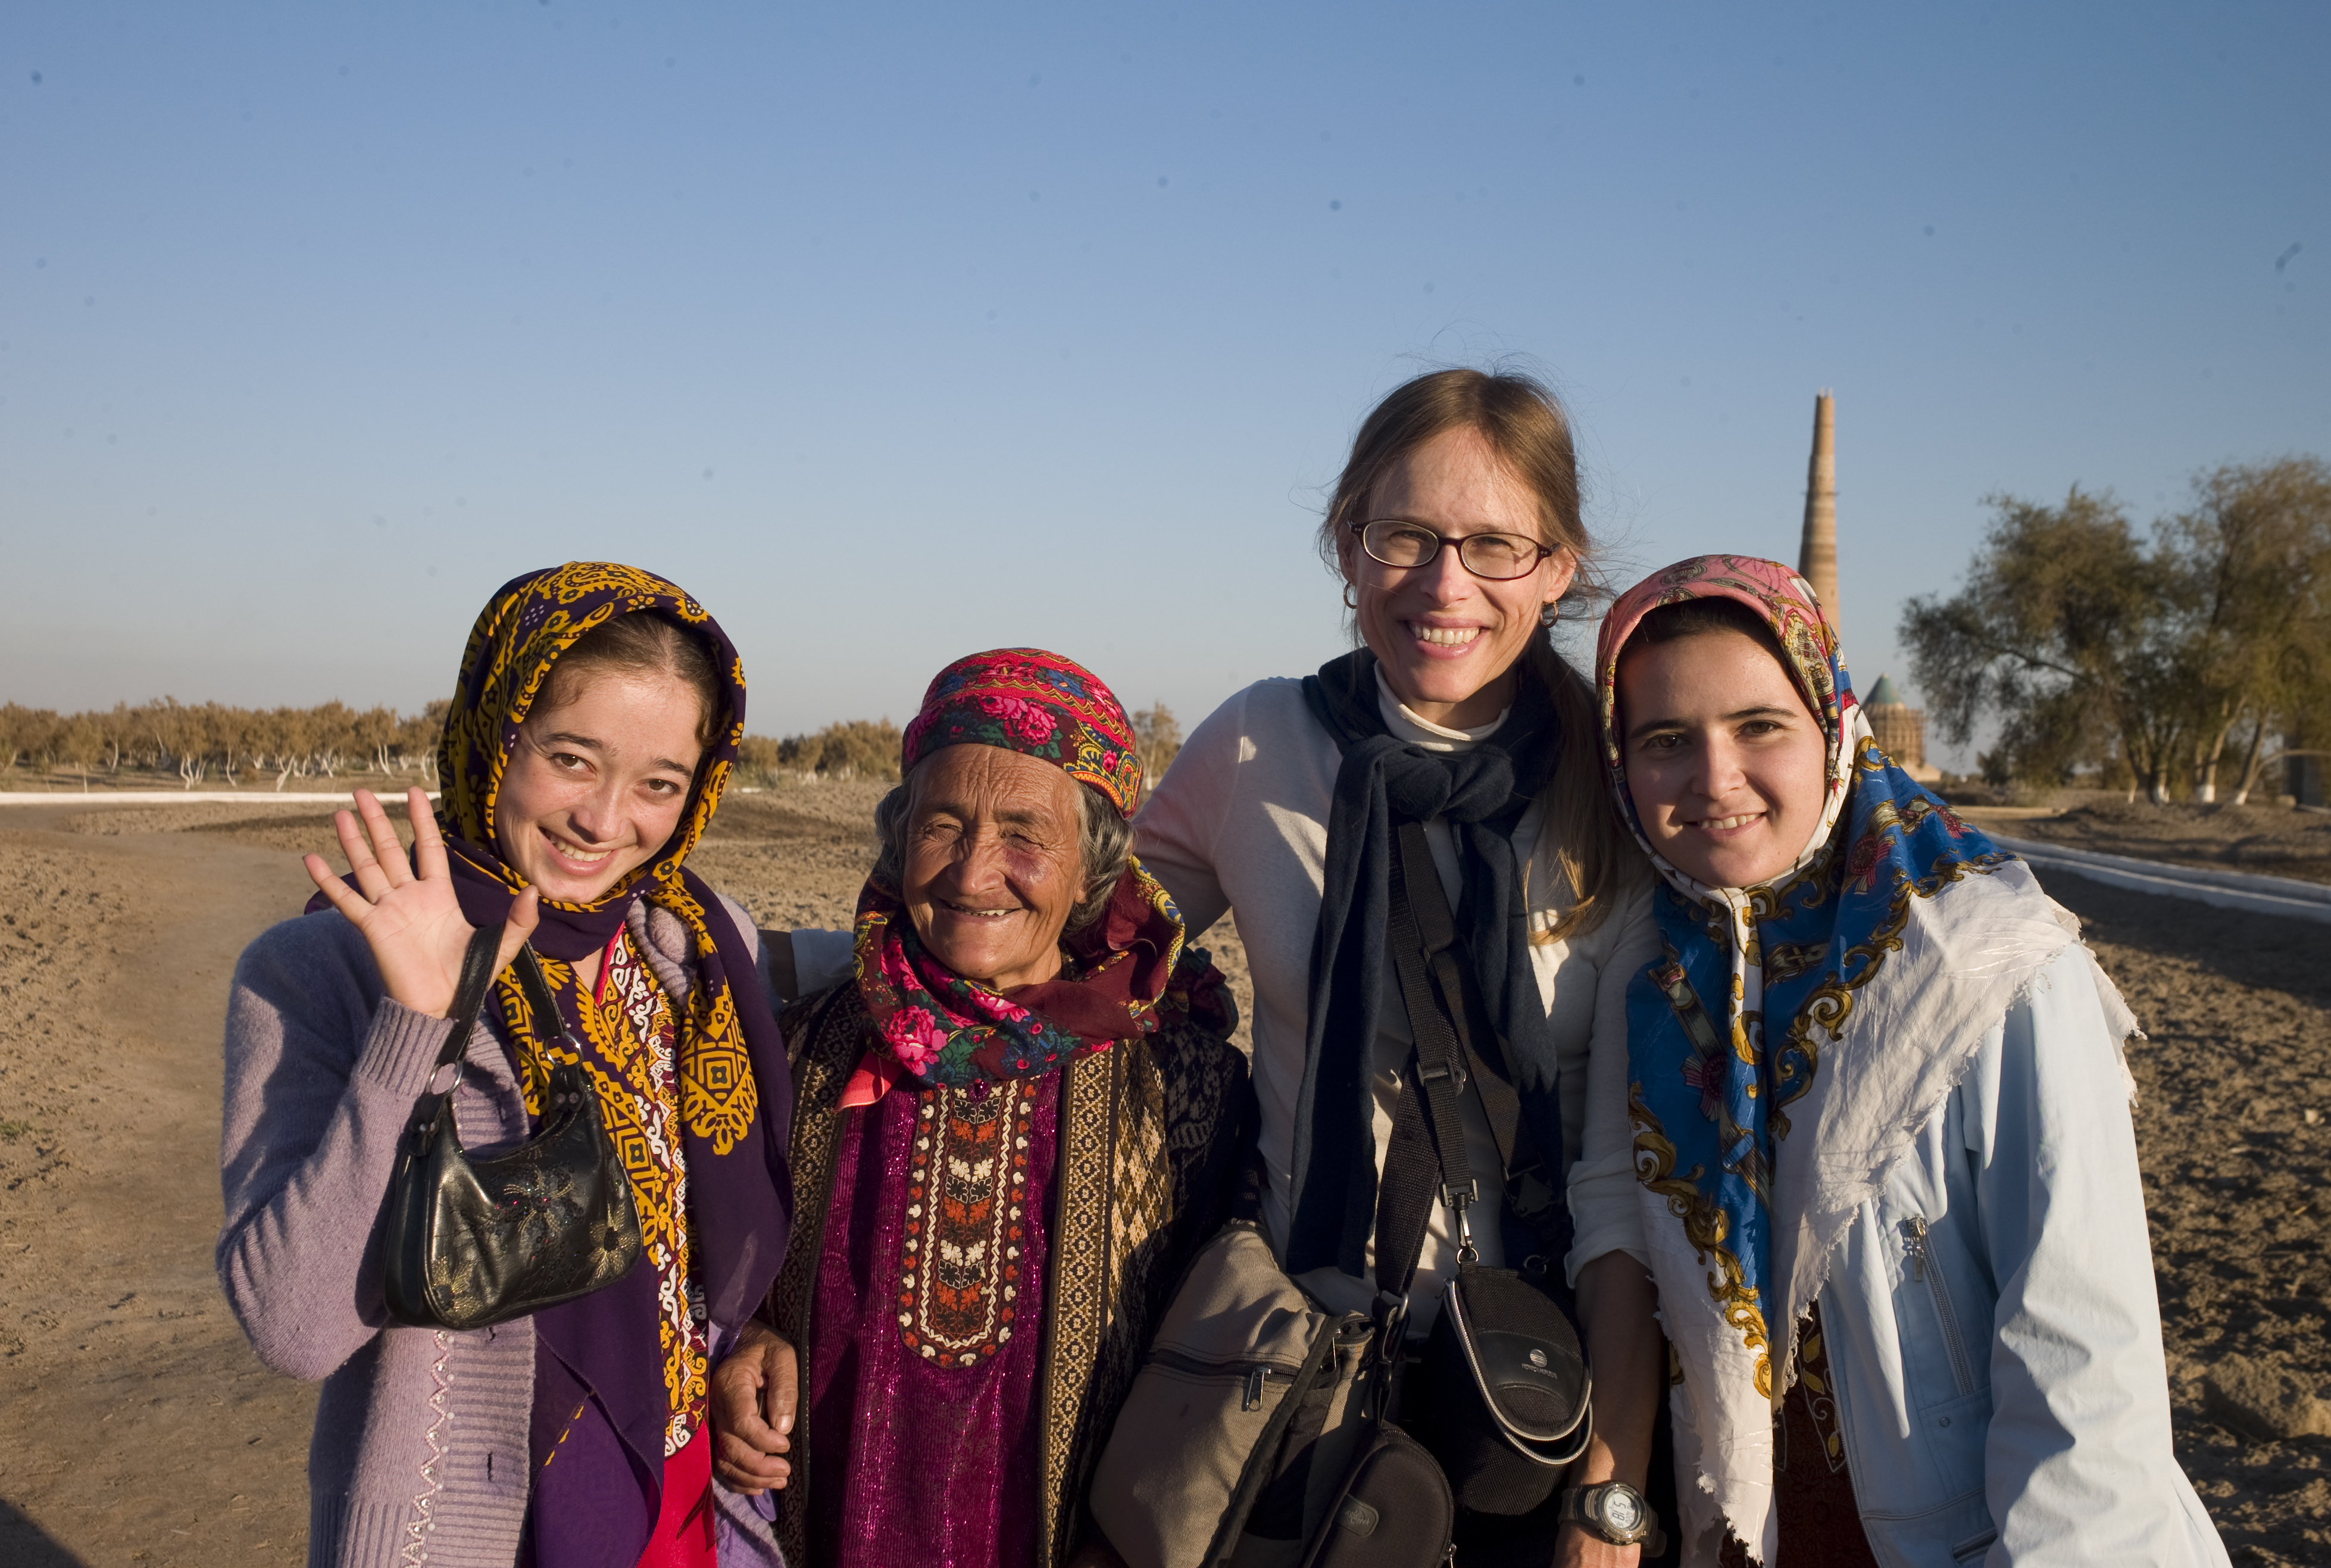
[{"x": 1900, "y": 730}]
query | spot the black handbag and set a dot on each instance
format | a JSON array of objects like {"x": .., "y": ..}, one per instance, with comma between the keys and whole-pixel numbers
[{"x": 475, "y": 1242}]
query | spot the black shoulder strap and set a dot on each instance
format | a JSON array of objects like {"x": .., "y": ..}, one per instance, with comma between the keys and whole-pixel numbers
[
  {"x": 1454, "y": 1048},
  {"x": 1533, "y": 1190},
  {"x": 1480, "y": 1049},
  {"x": 1428, "y": 1128}
]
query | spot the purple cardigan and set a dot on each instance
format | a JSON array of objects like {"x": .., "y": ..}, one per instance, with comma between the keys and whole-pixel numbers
[{"x": 419, "y": 1449}]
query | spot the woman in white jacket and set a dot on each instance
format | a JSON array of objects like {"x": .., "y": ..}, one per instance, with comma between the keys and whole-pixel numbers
[
  {"x": 1889, "y": 1179},
  {"x": 1455, "y": 527}
]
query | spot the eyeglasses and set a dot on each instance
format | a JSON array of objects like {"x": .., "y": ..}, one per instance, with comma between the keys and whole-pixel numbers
[{"x": 1495, "y": 557}]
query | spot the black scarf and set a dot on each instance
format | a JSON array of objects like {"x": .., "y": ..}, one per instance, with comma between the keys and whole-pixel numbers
[{"x": 1481, "y": 794}]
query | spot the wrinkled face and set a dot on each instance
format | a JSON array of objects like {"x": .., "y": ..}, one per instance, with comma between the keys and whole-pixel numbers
[
  {"x": 1447, "y": 640},
  {"x": 1725, "y": 762},
  {"x": 597, "y": 782},
  {"x": 994, "y": 861}
]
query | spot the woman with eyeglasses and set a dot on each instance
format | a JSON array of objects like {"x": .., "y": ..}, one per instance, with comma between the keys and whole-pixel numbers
[{"x": 1455, "y": 528}]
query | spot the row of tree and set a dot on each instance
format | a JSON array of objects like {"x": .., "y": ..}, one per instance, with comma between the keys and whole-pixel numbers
[
  {"x": 240, "y": 745},
  {"x": 2176, "y": 661},
  {"x": 869, "y": 748}
]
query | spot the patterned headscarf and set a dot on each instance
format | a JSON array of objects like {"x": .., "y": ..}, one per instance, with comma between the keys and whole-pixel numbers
[
  {"x": 1848, "y": 993},
  {"x": 735, "y": 1092},
  {"x": 1038, "y": 705},
  {"x": 943, "y": 1028}
]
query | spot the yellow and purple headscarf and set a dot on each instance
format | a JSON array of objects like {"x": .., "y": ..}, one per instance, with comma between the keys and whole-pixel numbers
[{"x": 1792, "y": 1037}]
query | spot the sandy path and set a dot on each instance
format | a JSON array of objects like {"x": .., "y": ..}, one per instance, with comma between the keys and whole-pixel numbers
[{"x": 136, "y": 1427}]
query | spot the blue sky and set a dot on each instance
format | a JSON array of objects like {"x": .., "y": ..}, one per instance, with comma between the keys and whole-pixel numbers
[{"x": 895, "y": 332}]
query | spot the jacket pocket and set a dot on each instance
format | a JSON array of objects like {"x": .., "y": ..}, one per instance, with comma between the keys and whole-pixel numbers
[
  {"x": 1967, "y": 1550},
  {"x": 1953, "y": 1433},
  {"x": 1919, "y": 1260}
]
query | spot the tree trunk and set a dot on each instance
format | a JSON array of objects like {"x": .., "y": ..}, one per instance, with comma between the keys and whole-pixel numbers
[
  {"x": 2205, "y": 776},
  {"x": 2252, "y": 762}
]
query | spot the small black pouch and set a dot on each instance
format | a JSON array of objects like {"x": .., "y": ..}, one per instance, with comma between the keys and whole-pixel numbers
[
  {"x": 1393, "y": 1511},
  {"x": 1508, "y": 1407}
]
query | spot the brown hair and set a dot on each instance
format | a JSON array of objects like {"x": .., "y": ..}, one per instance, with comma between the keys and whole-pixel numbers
[
  {"x": 1524, "y": 427},
  {"x": 1699, "y": 617},
  {"x": 644, "y": 642}
]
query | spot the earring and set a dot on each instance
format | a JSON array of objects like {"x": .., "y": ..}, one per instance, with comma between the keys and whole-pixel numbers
[
  {"x": 1549, "y": 616},
  {"x": 1349, "y": 603}
]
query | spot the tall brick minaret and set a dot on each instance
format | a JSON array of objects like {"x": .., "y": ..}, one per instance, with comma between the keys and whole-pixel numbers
[{"x": 1817, "y": 554}]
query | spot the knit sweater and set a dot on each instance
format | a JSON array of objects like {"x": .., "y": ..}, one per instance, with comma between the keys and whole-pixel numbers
[
  {"x": 420, "y": 1453},
  {"x": 1240, "y": 825}
]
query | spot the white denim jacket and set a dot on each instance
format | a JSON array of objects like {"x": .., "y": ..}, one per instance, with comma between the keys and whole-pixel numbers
[{"x": 1994, "y": 1335}]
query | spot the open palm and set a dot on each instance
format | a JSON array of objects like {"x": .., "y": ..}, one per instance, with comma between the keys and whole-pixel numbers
[{"x": 408, "y": 911}]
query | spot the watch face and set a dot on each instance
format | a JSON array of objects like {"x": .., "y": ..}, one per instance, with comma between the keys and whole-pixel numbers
[{"x": 1621, "y": 1509}]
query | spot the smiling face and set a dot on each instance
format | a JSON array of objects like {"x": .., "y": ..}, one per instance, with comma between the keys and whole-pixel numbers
[
  {"x": 1447, "y": 639},
  {"x": 598, "y": 781},
  {"x": 1726, "y": 764},
  {"x": 993, "y": 862}
]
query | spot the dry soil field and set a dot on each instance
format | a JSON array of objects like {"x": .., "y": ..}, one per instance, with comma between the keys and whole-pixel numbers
[{"x": 135, "y": 1426}]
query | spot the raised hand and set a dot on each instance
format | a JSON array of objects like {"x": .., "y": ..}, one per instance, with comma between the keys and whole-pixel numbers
[{"x": 413, "y": 923}]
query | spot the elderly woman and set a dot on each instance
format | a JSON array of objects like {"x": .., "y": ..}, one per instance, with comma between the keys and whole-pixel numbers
[
  {"x": 593, "y": 726},
  {"x": 1014, "y": 1124}
]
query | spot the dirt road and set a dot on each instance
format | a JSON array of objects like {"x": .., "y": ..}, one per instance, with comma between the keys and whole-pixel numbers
[
  {"x": 135, "y": 1425},
  {"x": 136, "y": 1428}
]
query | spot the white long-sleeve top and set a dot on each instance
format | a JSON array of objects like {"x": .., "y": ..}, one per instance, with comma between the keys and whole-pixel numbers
[{"x": 1240, "y": 823}]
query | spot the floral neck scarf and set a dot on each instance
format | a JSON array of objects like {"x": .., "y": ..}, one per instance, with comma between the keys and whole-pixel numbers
[
  {"x": 1794, "y": 1037},
  {"x": 1120, "y": 971}
]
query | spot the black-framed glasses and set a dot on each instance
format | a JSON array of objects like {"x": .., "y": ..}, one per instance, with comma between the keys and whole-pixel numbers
[{"x": 1495, "y": 557}]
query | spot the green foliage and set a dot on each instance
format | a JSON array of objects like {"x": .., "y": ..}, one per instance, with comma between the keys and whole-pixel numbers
[
  {"x": 2148, "y": 661},
  {"x": 857, "y": 748}
]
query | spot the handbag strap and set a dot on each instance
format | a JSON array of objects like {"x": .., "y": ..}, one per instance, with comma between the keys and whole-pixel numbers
[
  {"x": 548, "y": 1023},
  {"x": 469, "y": 999},
  {"x": 469, "y": 993},
  {"x": 477, "y": 978}
]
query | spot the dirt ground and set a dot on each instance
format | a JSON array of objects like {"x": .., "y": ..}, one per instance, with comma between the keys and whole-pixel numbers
[
  {"x": 136, "y": 1428},
  {"x": 2264, "y": 840}
]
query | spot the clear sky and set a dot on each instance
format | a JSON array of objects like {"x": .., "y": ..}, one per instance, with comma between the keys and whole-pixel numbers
[{"x": 896, "y": 332}]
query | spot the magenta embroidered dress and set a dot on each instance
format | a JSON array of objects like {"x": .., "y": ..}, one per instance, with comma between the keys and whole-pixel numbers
[{"x": 922, "y": 1389}]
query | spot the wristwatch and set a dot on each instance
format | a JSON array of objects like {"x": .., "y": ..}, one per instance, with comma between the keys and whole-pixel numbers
[{"x": 1615, "y": 1512}]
